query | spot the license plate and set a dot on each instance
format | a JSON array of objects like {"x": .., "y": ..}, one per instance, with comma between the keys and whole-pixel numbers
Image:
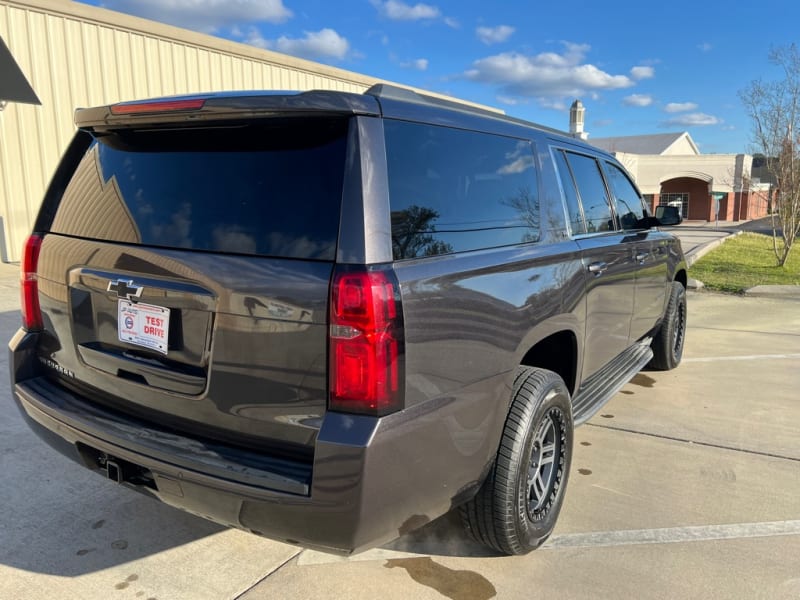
[{"x": 144, "y": 325}]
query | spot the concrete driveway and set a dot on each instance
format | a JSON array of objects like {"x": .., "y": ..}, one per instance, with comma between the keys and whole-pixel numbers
[{"x": 686, "y": 485}]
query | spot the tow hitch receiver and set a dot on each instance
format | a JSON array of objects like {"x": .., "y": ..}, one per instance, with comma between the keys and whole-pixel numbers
[
  {"x": 114, "y": 470},
  {"x": 118, "y": 470}
]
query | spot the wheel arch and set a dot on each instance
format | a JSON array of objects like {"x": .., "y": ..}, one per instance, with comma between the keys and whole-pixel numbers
[
  {"x": 555, "y": 349},
  {"x": 682, "y": 278}
]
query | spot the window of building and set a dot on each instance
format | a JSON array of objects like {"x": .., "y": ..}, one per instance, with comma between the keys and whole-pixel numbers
[{"x": 680, "y": 200}]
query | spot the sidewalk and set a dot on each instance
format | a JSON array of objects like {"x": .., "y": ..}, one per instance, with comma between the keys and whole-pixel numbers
[{"x": 698, "y": 240}]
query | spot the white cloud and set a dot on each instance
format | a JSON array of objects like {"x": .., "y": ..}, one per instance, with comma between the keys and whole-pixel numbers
[
  {"x": 452, "y": 22},
  {"x": 546, "y": 74},
  {"x": 400, "y": 11},
  {"x": 558, "y": 105},
  {"x": 642, "y": 72},
  {"x": 693, "y": 120},
  {"x": 205, "y": 15},
  {"x": 676, "y": 107},
  {"x": 254, "y": 38},
  {"x": 494, "y": 35},
  {"x": 420, "y": 64},
  {"x": 638, "y": 100},
  {"x": 602, "y": 122},
  {"x": 518, "y": 165},
  {"x": 705, "y": 47},
  {"x": 510, "y": 100},
  {"x": 325, "y": 43}
]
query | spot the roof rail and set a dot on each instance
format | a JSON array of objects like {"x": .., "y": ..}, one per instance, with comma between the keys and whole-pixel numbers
[{"x": 394, "y": 92}]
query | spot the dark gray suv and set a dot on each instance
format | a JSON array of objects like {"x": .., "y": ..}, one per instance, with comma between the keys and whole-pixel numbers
[{"x": 328, "y": 318}]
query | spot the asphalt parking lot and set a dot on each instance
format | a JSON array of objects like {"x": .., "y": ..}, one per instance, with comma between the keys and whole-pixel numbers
[{"x": 686, "y": 485}]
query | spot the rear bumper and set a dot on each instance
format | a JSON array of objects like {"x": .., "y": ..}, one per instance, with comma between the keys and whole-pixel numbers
[{"x": 371, "y": 479}]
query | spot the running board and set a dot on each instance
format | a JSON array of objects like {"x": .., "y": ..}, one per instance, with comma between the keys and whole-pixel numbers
[{"x": 601, "y": 387}]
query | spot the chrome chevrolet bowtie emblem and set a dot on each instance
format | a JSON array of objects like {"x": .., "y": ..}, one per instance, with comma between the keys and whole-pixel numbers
[{"x": 125, "y": 288}]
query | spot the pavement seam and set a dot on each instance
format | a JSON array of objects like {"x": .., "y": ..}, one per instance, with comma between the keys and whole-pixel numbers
[
  {"x": 268, "y": 575},
  {"x": 748, "y": 331},
  {"x": 671, "y": 535},
  {"x": 695, "y": 442}
]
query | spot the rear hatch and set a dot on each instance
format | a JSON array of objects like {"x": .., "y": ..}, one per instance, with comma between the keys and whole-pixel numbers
[{"x": 184, "y": 269}]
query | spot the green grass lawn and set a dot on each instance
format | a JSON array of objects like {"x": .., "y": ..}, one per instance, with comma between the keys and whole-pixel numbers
[{"x": 745, "y": 261}]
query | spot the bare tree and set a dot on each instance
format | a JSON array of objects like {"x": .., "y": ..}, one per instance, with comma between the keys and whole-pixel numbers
[
  {"x": 774, "y": 108},
  {"x": 413, "y": 233}
]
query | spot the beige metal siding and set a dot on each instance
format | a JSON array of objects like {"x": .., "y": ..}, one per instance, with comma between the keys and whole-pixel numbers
[{"x": 76, "y": 55}]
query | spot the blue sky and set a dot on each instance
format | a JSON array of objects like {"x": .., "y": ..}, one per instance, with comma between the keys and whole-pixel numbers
[{"x": 638, "y": 67}]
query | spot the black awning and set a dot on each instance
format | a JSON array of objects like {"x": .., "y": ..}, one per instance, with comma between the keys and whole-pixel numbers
[{"x": 13, "y": 85}]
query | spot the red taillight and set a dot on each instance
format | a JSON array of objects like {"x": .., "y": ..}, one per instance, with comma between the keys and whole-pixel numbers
[
  {"x": 157, "y": 106},
  {"x": 29, "y": 286},
  {"x": 365, "y": 343}
]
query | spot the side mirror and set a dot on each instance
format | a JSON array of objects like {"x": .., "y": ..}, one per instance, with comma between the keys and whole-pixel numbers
[{"x": 668, "y": 215}]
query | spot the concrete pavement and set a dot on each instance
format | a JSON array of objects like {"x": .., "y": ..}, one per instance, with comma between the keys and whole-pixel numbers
[{"x": 685, "y": 485}]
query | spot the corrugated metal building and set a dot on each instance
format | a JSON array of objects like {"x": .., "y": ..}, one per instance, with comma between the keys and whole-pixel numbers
[{"x": 78, "y": 55}]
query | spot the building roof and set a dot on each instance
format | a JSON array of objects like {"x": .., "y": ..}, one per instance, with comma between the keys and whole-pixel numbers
[{"x": 658, "y": 143}]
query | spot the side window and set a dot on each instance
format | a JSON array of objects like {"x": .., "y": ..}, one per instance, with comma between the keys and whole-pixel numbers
[
  {"x": 576, "y": 223},
  {"x": 630, "y": 211},
  {"x": 452, "y": 190},
  {"x": 592, "y": 191}
]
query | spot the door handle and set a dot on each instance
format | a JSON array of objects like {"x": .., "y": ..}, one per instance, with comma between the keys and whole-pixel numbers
[
  {"x": 598, "y": 268},
  {"x": 641, "y": 257}
]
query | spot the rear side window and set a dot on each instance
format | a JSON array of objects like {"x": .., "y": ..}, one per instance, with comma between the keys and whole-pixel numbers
[
  {"x": 592, "y": 191},
  {"x": 628, "y": 203},
  {"x": 452, "y": 190},
  {"x": 273, "y": 188},
  {"x": 576, "y": 223}
]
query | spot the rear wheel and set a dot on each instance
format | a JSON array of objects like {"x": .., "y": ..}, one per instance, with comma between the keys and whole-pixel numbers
[
  {"x": 516, "y": 508},
  {"x": 668, "y": 343}
]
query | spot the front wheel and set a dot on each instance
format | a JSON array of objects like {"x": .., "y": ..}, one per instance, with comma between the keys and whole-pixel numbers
[
  {"x": 668, "y": 343},
  {"x": 517, "y": 506}
]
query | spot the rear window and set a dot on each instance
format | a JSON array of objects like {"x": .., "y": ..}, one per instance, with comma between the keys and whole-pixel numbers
[
  {"x": 272, "y": 188},
  {"x": 452, "y": 190}
]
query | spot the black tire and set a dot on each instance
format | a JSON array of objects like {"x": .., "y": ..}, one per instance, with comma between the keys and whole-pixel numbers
[
  {"x": 517, "y": 506},
  {"x": 668, "y": 342}
]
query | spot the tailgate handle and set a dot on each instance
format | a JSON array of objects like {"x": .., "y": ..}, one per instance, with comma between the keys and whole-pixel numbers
[{"x": 142, "y": 371}]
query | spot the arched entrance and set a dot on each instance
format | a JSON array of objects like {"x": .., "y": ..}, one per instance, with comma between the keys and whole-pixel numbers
[{"x": 691, "y": 193}]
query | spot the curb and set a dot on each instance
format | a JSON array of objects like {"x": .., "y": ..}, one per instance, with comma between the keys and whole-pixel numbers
[{"x": 784, "y": 292}]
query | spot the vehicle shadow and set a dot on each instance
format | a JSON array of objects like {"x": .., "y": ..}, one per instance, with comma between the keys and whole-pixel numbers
[{"x": 444, "y": 536}]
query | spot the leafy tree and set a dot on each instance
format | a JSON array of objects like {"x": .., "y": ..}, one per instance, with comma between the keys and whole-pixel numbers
[{"x": 774, "y": 108}]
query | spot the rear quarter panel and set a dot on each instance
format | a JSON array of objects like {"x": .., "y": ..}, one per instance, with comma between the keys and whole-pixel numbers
[{"x": 469, "y": 321}]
